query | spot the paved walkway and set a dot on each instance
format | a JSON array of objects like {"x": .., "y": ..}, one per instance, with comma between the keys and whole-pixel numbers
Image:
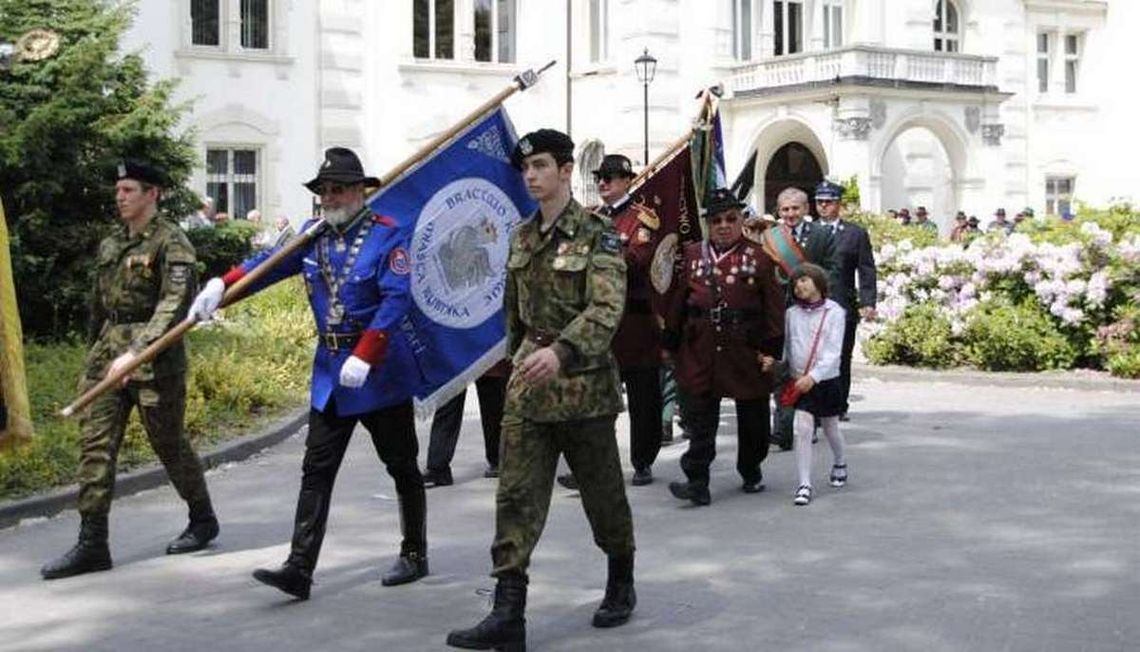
[{"x": 978, "y": 517}]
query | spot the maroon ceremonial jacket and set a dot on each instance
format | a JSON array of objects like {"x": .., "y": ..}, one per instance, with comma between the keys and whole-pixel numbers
[
  {"x": 729, "y": 308},
  {"x": 637, "y": 342}
]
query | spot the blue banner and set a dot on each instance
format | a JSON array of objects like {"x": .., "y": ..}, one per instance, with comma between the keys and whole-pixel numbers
[{"x": 462, "y": 203}]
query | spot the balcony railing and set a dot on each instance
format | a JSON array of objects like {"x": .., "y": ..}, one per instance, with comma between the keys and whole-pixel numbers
[{"x": 867, "y": 62}]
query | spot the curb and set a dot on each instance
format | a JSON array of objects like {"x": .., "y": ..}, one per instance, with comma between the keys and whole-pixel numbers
[
  {"x": 1079, "y": 380},
  {"x": 154, "y": 475}
]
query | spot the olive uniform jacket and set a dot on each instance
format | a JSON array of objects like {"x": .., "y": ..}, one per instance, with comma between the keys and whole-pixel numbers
[
  {"x": 565, "y": 289},
  {"x": 143, "y": 287}
]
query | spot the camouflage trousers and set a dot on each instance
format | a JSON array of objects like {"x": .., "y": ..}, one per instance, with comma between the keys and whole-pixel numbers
[
  {"x": 162, "y": 405},
  {"x": 527, "y": 464}
]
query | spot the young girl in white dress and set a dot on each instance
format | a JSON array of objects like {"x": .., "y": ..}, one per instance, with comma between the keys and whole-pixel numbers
[{"x": 813, "y": 340}]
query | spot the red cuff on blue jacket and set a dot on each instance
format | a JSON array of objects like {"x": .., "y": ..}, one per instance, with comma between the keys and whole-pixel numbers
[
  {"x": 233, "y": 276},
  {"x": 372, "y": 346}
]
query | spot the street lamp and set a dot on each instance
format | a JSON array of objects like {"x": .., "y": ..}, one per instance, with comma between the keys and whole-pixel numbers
[{"x": 646, "y": 66}]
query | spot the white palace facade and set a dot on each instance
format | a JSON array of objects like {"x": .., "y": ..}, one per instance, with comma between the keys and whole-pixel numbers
[{"x": 951, "y": 104}]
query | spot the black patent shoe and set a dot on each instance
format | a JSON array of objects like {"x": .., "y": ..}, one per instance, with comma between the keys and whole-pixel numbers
[
  {"x": 492, "y": 471},
  {"x": 754, "y": 485},
  {"x": 642, "y": 477},
  {"x": 438, "y": 479},
  {"x": 568, "y": 481},
  {"x": 409, "y": 567},
  {"x": 695, "y": 493},
  {"x": 195, "y": 537},
  {"x": 289, "y": 578}
]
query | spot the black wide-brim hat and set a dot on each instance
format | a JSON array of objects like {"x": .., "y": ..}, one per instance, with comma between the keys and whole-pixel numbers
[
  {"x": 615, "y": 165},
  {"x": 720, "y": 200},
  {"x": 341, "y": 165}
]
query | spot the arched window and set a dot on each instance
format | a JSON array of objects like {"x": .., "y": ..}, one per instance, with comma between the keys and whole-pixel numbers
[{"x": 947, "y": 27}]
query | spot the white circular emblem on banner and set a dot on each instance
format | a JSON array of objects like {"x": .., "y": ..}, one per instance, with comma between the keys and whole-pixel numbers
[{"x": 460, "y": 252}]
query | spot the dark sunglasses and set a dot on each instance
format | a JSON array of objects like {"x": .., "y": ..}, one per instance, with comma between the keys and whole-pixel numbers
[
  {"x": 598, "y": 178},
  {"x": 727, "y": 219}
]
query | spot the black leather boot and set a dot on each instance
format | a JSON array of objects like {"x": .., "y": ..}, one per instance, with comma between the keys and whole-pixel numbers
[
  {"x": 203, "y": 529},
  {"x": 412, "y": 563},
  {"x": 291, "y": 579},
  {"x": 89, "y": 554},
  {"x": 295, "y": 576},
  {"x": 505, "y": 627},
  {"x": 620, "y": 599}
]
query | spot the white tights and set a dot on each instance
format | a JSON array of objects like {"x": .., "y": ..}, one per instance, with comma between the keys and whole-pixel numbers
[{"x": 804, "y": 425}]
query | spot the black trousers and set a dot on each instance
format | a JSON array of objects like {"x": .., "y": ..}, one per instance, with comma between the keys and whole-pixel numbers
[
  {"x": 643, "y": 397},
  {"x": 448, "y": 420},
  {"x": 394, "y": 437},
  {"x": 702, "y": 414},
  {"x": 845, "y": 362}
]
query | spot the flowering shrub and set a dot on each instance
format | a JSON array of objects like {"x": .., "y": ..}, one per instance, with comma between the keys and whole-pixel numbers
[{"x": 1051, "y": 294}]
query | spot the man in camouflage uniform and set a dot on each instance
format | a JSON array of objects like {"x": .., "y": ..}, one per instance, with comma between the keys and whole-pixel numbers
[
  {"x": 564, "y": 299},
  {"x": 143, "y": 283}
]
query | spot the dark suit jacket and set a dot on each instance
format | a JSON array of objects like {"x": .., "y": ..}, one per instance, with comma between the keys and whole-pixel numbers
[
  {"x": 853, "y": 249},
  {"x": 819, "y": 247}
]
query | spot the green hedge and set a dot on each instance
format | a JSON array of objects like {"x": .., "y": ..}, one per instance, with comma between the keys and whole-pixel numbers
[{"x": 248, "y": 367}]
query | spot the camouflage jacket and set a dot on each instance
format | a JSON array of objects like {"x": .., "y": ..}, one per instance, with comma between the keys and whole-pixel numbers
[
  {"x": 565, "y": 288},
  {"x": 143, "y": 286}
]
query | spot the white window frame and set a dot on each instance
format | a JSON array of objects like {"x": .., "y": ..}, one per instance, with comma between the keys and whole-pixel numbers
[
  {"x": 495, "y": 44},
  {"x": 598, "y": 28},
  {"x": 743, "y": 31},
  {"x": 1072, "y": 73},
  {"x": 782, "y": 29},
  {"x": 1044, "y": 60},
  {"x": 833, "y": 14},
  {"x": 944, "y": 39},
  {"x": 230, "y": 177},
  {"x": 431, "y": 55},
  {"x": 231, "y": 43},
  {"x": 1054, "y": 198}
]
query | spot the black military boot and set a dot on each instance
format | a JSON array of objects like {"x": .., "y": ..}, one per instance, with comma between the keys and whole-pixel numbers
[
  {"x": 295, "y": 576},
  {"x": 412, "y": 563},
  {"x": 203, "y": 529},
  {"x": 696, "y": 492},
  {"x": 505, "y": 627},
  {"x": 90, "y": 554},
  {"x": 620, "y": 599}
]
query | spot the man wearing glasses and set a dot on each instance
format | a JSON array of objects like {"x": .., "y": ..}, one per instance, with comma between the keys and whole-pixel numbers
[
  {"x": 853, "y": 248},
  {"x": 725, "y": 320},
  {"x": 357, "y": 276}
]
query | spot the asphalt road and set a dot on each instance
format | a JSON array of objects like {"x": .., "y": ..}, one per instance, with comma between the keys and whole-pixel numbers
[{"x": 978, "y": 517}]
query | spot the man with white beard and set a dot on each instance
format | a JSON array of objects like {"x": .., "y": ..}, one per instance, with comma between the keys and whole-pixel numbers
[{"x": 357, "y": 277}]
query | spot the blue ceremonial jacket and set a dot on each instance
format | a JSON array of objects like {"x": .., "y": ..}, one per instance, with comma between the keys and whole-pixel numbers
[{"x": 375, "y": 294}]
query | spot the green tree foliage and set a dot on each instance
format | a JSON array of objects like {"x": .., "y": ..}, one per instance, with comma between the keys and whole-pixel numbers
[{"x": 65, "y": 123}]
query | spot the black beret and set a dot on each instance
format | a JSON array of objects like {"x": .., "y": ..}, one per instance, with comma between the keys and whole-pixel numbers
[
  {"x": 721, "y": 199},
  {"x": 615, "y": 165},
  {"x": 543, "y": 140},
  {"x": 141, "y": 172}
]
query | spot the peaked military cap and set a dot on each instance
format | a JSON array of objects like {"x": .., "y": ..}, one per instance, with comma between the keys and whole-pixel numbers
[
  {"x": 719, "y": 200},
  {"x": 1000, "y": 211},
  {"x": 341, "y": 165},
  {"x": 141, "y": 172},
  {"x": 543, "y": 140},
  {"x": 615, "y": 165},
  {"x": 829, "y": 190}
]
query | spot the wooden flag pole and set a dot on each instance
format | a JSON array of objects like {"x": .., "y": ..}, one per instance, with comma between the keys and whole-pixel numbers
[{"x": 235, "y": 292}]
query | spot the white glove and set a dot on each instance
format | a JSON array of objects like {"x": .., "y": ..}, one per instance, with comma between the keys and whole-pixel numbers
[
  {"x": 353, "y": 372},
  {"x": 208, "y": 300}
]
